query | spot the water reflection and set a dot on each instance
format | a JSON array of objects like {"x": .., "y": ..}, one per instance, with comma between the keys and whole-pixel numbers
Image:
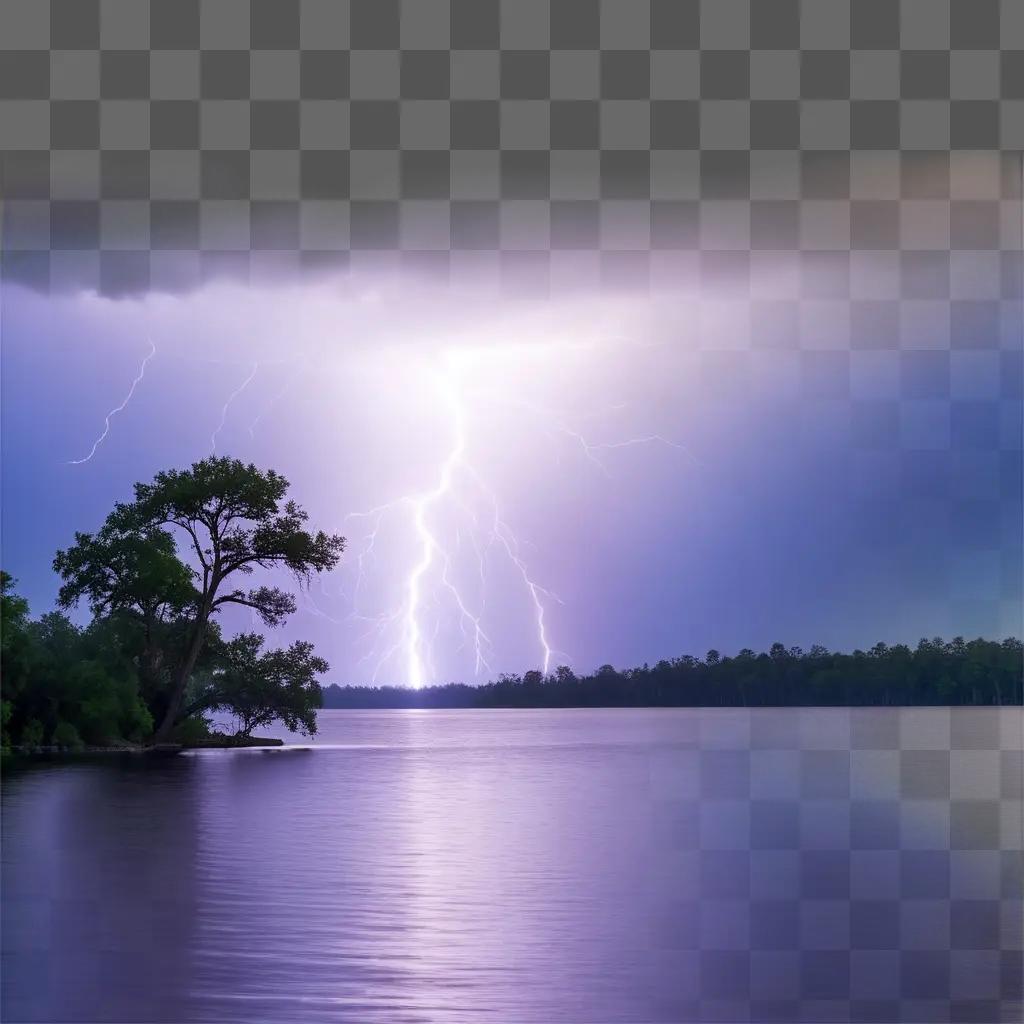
[
  {"x": 529, "y": 865},
  {"x": 100, "y": 891}
]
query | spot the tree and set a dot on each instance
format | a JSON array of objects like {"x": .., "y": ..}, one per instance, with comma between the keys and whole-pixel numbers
[
  {"x": 63, "y": 682},
  {"x": 13, "y": 609},
  {"x": 233, "y": 518},
  {"x": 15, "y": 650},
  {"x": 137, "y": 580},
  {"x": 116, "y": 570},
  {"x": 79, "y": 679},
  {"x": 260, "y": 686}
]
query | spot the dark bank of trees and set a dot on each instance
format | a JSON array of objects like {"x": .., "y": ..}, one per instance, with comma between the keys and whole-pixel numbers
[
  {"x": 153, "y": 662},
  {"x": 960, "y": 672}
]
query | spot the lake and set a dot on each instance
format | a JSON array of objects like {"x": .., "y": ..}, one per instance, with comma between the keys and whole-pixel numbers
[{"x": 551, "y": 865}]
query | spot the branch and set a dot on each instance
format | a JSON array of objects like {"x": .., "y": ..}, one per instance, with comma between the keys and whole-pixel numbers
[
  {"x": 185, "y": 525},
  {"x": 273, "y": 605},
  {"x": 229, "y": 565},
  {"x": 237, "y": 598},
  {"x": 204, "y": 703}
]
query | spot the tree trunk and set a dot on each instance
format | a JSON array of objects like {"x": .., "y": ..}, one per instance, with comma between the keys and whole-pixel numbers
[{"x": 177, "y": 695}]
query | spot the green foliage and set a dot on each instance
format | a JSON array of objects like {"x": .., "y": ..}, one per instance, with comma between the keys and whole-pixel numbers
[
  {"x": 136, "y": 572},
  {"x": 13, "y": 609},
  {"x": 153, "y": 638},
  {"x": 259, "y": 687},
  {"x": 231, "y": 519},
  {"x": 32, "y": 733},
  {"x": 15, "y": 643},
  {"x": 54, "y": 672},
  {"x": 65, "y": 735},
  {"x": 234, "y": 514},
  {"x": 106, "y": 708},
  {"x": 192, "y": 730},
  {"x": 82, "y": 686}
]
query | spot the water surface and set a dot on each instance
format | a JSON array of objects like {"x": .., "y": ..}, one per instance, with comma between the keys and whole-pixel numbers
[{"x": 570, "y": 865}]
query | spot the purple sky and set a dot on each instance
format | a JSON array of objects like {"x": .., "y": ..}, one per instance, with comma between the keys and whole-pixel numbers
[{"x": 585, "y": 480}]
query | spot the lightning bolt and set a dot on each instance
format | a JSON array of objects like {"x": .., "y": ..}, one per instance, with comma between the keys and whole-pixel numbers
[
  {"x": 502, "y": 532},
  {"x": 227, "y": 405},
  {"x": 459, "y": 504},
  {"x": 631, "y": 442},
  {"x": 285, "y": 388},
  {"x": 432, "y": 570},
  {"x": 430, "y": 548},
  {"x": 119, "y": 408},
  {"x": 588, "y": 447}
]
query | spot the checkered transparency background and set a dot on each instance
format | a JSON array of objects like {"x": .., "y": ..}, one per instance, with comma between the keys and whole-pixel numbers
[
  {"x": 160, "y": 143},
  {"x": 541, "y": 146},
  {"x": 847, "y": 865}
]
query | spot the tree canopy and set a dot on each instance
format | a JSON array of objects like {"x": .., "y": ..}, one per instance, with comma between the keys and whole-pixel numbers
[
  {"x": 155, "y": 576},
  {"x": 66, "y": 684},
  {"x": 258, "y": 687}
]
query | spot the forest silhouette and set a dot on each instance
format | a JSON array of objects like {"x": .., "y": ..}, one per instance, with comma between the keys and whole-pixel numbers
[{"x": 960, "y": 672}]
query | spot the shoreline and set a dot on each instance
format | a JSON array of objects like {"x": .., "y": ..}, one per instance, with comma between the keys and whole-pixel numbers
[
  {"x": 223, "y": 742},
  {"x": 154, "y": 750}
]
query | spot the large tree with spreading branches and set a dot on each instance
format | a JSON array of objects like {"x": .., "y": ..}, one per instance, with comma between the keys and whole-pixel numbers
[{"x": 231, "y": 519}]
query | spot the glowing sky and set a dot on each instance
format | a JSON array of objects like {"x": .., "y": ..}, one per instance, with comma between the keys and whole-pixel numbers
[{"x": 586, "y": 479}]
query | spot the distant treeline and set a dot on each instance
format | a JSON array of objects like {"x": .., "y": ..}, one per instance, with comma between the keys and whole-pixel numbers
[{"x": 961, "y": 672}]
